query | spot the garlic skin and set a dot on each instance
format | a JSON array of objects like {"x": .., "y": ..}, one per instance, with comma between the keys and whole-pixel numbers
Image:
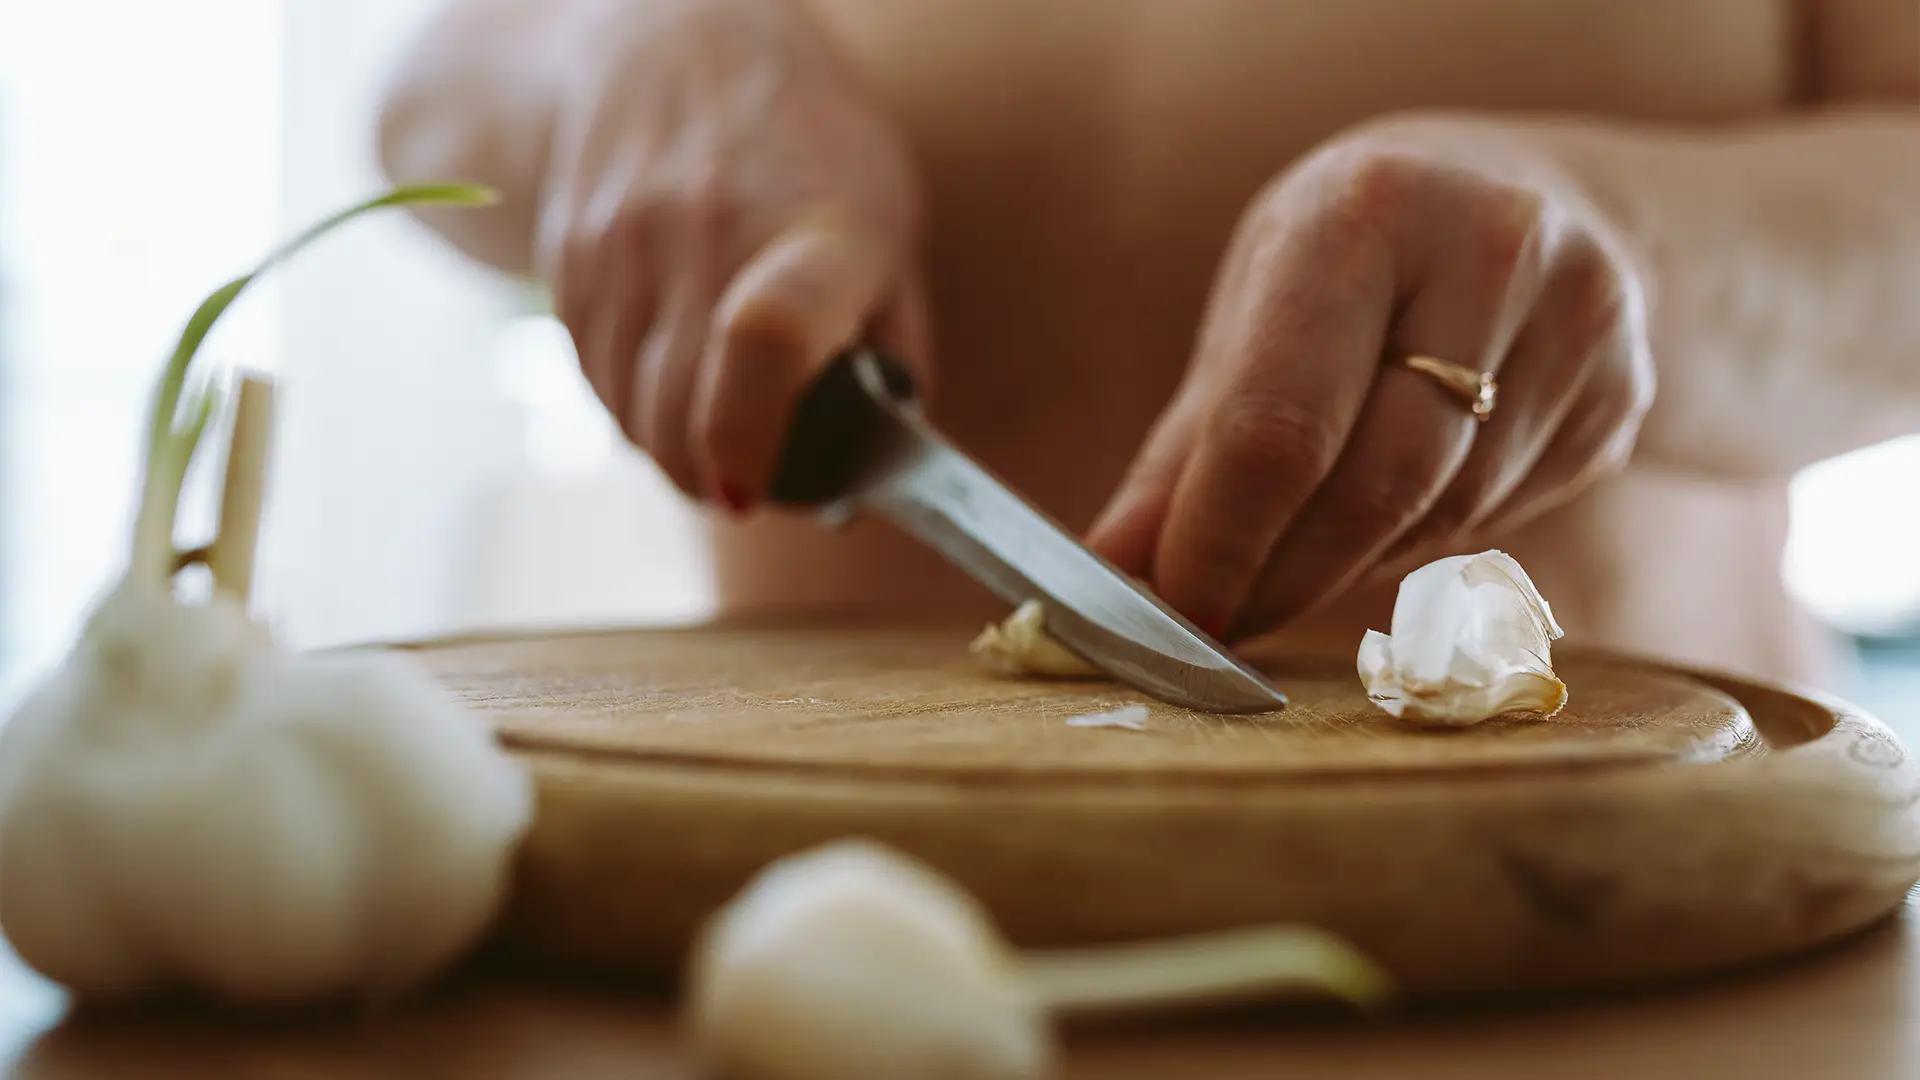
[
  {"x": 1130, "y": 717},
  {"x": 854, "y": 962},
  {"x": 1021, "y": 646},
  {"x": 182, "y": 805},
  {"x": 1471, "y": 640}
]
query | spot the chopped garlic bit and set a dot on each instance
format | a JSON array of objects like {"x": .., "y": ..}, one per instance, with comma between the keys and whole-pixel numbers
[
  {"x": 1471, "y": 640},
  {"x": 1022, "y": 646},
  {"x": 1131, "y": 717}
]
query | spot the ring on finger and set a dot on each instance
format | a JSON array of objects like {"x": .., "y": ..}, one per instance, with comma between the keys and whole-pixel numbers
[{"x": 1477, "y": 388}]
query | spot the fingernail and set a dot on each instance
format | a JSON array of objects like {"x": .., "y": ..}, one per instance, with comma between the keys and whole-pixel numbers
[{"x": 732, "y": 497}]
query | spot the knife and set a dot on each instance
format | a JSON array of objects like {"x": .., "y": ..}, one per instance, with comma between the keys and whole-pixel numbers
[{"x": 859, "y": 444}]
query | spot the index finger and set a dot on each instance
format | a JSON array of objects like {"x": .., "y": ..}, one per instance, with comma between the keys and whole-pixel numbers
[
  {"x": 1284, "y": 370},
  {"x": 810, "y": 293}
]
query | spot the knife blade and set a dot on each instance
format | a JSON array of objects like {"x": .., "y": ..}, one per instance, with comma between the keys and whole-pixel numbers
[{"x": 859, "y": 444}]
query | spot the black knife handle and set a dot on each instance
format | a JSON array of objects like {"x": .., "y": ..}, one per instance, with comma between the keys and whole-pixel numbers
[{"x": 840, "y": 427}]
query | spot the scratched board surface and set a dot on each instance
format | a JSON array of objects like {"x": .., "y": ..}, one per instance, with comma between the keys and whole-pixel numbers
[
  {"x": 1668, "y": 822},
  {"x": 893, "y": 700}
]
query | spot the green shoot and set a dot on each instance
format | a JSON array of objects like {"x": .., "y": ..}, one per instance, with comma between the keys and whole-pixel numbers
[
  {"x": 1236, "y": 964},
  {"x": 172, "y": 437}
]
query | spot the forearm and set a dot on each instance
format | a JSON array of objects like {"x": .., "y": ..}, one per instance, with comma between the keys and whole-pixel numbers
[{"x": 1782, "y": 265}]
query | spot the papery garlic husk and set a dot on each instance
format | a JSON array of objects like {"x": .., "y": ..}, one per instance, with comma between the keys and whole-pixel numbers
[
  {"x": 854, "y": 962},
  {"x": 184, "y": 806},
  {"x": 1021, "y": 645},
  {"x": 1472, "y": 639}
]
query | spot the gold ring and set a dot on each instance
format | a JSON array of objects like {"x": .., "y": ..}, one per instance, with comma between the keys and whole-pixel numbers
[{"x": 1476, "y": 388}]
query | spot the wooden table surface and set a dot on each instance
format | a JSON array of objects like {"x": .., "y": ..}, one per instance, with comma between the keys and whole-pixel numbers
[{"x": 1850, "y": 1012}]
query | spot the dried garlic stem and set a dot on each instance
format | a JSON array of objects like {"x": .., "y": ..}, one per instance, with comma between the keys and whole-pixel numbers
[
  {"x": 231, "y": 558},
  {"x": 1206, "y": 968}
]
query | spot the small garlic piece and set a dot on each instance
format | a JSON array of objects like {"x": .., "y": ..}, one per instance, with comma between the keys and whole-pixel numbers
[
  {"x": 1131, "y": 717},
  {"x": 1021, "y": 646},
  {"x": 854, "y": 962},
  {"x": 1471, "y": 640}
]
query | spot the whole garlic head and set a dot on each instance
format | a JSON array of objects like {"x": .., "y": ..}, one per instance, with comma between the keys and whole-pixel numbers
[
  {"x": 854, "y": 962},
  {"x": 182, "y": 805},
  {"x": 1471, "y": 640}
]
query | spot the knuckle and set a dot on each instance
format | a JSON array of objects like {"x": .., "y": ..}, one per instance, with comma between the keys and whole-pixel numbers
[
  {"x": 1510, "y": 240},
  {"x": 635, "y": 224},
  {"x": 702, "y": 209},
  {"x": 1259, "y": 436},
  {"x": 761, "y": 324},
  {"x": 1380, "y": 182},
  {"x": 1600, "y": 296}
]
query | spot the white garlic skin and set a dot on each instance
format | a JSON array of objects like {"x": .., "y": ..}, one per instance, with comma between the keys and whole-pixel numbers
[
  {"x": 184, "y": 806},
  {"x": 853, "y": 962},
  {"x": 1472, "y": 639}
]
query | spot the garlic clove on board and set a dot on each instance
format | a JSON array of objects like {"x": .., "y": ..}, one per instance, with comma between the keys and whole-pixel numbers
[
  {"x": 1471, "y": 639},
  {"x": 853, "y": 962},
  {"x": 1021, "y": 645}
]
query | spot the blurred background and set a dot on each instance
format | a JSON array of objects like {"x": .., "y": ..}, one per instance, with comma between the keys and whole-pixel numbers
[{"x": 452, "y": 470}]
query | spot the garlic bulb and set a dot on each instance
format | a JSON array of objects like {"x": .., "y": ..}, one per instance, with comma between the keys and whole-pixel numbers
[
  {"x": 853, "y": 962},
  {"x": 1021, "y": 646},
  {"x": 1471, "y": 639},
  {"x": 185, "y": 806}
]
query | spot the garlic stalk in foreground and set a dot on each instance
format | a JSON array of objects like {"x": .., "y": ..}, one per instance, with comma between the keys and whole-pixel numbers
[
  {"x": 1472, "y": 639},
  {"x": 184, "y": 805},
  {"x": 852, "y": 961}
]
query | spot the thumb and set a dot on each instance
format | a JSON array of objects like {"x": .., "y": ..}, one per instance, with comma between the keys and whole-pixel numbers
[{"x": 802, "y": 299}]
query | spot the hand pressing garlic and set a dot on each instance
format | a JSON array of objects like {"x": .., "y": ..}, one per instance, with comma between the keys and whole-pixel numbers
[
  {"x": 1472, "y": 639},
  {"x": 185, "y": 806},
  {"x": 1021, "y": 646},
  {"x": 852, "y": 961}
]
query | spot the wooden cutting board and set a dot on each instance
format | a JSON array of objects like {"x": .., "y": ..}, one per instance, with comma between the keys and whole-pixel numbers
[{"x": 1668, "y": 822}]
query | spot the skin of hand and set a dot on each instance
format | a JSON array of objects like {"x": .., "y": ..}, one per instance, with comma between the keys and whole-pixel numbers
[
  {"x": 1299, "y": 457},
  {"x": 724, "y": 211}
]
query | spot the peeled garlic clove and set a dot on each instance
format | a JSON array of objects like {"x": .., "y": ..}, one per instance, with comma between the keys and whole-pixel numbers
[
  {"x": 1021, "y": 646},
  {"x": 853, "y": 962},
  {"x": 1472, "y": 639}
]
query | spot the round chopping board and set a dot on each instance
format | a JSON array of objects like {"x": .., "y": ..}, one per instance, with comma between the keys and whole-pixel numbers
[{"x": 1665, "y": 823}]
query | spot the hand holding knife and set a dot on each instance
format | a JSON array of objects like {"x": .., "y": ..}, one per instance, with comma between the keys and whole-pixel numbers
[{"x": 859, "y": 444}]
